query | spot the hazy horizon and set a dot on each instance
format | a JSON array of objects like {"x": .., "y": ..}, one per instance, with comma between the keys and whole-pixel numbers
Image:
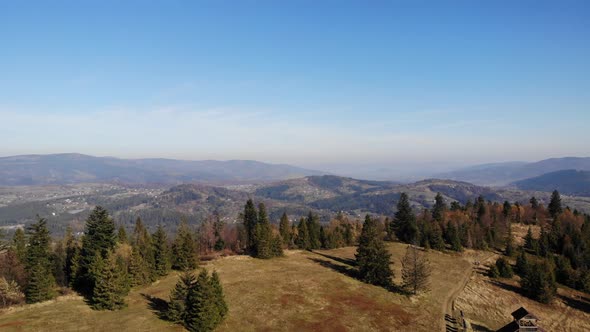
[{"x": 394, "y": 85}]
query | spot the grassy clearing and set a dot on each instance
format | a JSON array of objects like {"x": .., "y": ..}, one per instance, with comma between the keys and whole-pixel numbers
[{"x": 302, "y": 291}]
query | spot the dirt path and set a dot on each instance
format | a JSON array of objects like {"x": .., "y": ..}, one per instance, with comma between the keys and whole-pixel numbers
[{"x": 450, "y": 299}]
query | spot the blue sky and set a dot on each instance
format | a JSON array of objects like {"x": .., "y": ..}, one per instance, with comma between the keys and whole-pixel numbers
[{"x": 312, "y": 83}]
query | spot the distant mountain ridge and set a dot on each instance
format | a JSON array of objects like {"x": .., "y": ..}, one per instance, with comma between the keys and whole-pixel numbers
[
  {"x": 570, "y": 182},
  {"x": 501, "y": 174},
  {"x": 72, "y": 168}
]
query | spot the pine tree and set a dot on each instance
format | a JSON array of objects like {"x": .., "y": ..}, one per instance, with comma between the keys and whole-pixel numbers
[
  {"x": 122, "y": 235},
  {"x": 543, "y": 243},
  {"x": 506, "y": 210},
  {"x": 404, "y": 223},
  {"x": 522, "y": 264},
  {"x": 453, "y": 237},
  {"x": 436, "y": 239},
  {"x": 142, "y": 264},
  {"x": 98, "y": 240},
  {"x": 179, "y": 297},
  {"x": 493, "y": 271},
  {"x": 504, "y": 268},
  {"x": 284, "y": 229},
  {"x": 263, "y": 235},
  {"x": 218, "y": 227},
  {"x": 41, "y": 283},
  {"x": 184, "y": 249},
  {"x": 303, "y": 235},
  {"x": 323, "y": 238},
  {"x": 72, "y": 257},
  {"x": 539, "y": 283},
  {"x": 161, "y": 252},
  {"x": 554, "y": 206},
  {"x": 202, "y": 313},
  {"x": 313, "y": 227},
  {"x": 19, "y": 244},
  {"x": 529, "y": 241},
  {"x": 415, "y": 270},
  {"x": 439, "y": 208},
  {"x": 250, "y": 221},
  {"x": 218, "y": 296},
  {"x": 110, "y": 288},
  {"x": 372, "y": 257}
]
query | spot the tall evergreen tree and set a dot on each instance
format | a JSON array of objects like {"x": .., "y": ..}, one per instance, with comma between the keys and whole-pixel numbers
[
  {"x": 303, "y": 235},
  {"x": 415, "y": 270},
  {"x": 539, "y": 282},
  {"x": 41, "y": 283},
  {"x": 509, "y": 242},
  {"x": 202, "y": 313},
  {"x": 534, "y": 203},
  {"x": 122, "y": 235},
  {"x": 250, "y": 221},
  {"x": 285, "y": 229},
  {"x": 178, "y": 298},
  {"x": 19, "y": 243},
  {"x": 263, "y": 237},
  {"x": 313, "y": 227},
  {"x": 218, "y": 297},
  {"x": 184, "y": 255},
  {"x": 436, "y": 238},
  {"x": 72, "y": 257},
  {"x": 372, "y": 257},
  {"x": 404, "y": 223},
  {"x": 98, "y": 240},
  {"x": 142, "y": 265},
  {"x": 529, "y": 241},
  {"x": 439, "y": 207},
  {"x": 554, "y": 207},
  {"x": 161, "y": 252},
  {"x": 110, "y": 288}
]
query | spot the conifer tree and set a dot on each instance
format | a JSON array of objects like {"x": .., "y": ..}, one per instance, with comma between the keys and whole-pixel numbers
[
  {"x": 404, "y": 223},
  {"x": 161, "y": 252},
  {"x": 415, "y": 270},
  {"x": 313, "y": 227},
  {"x": 506, "y": 210},
  {"x": 179, "y": 297},
  {"x": 372, "y": 257},
  {"x": 323, "y": 238},
  {"x": 453, "y": 237},
  {"x": 250, "y": 221},
  {"x": 72, "y": 257},
  {"x": 122, "y": 235},
  {"x": 303, "y": 235},
  {"x": 529, "y": 241},
  {"x": 19, "y": 244},
  {"x": 202, "y": 313},
  {"x": 110, "y": 288},
  {"x": 554, "y": 206},
  {"x": 41, "y": 283},
  {"x": 436, "y": 239},
  {"x": 184, "y": 249},
  {"x": 539, "y": 283},
  {"x": 218, "y": 226},
  {"x": 509, "y": 242},
  {"x": 504, "y": 268},
  {"x": 263, "y": 237},
  {"x": 98, "y": 240},
  {"x": 284, "y": 229},
  {"x": 142, "y": 264},
  {"x": 439, "y": 208},
  {"x": 522, "y": 264},
  {"x": 218, "y": 296}
]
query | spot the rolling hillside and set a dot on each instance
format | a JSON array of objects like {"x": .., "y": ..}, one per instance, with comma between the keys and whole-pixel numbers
[
  {"x": 570, "y": 182},
  {"x": 78, "y": 168}
]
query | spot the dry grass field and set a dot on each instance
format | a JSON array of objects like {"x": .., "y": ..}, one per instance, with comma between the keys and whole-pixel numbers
[
  {"x": 302, "y": 291},
  {"x": 306, "y": 291}
]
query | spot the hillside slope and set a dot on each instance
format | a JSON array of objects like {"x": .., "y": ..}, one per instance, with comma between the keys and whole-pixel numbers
[
  {"x": 570, "y": 182},
  {"x": 77, "y": 168}
]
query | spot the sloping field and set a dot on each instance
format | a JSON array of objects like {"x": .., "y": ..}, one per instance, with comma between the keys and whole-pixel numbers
[{"x": 300, "y": 292}]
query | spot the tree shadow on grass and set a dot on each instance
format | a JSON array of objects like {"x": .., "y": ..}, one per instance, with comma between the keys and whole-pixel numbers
[
  {"x": 347, "y": 261},
  {"x": 480, "y": 328},
  {"x": 507, "y": 287},
  {"x": 157, "y": 305},
  {"x": 353, "y": 273},
  {"x": 581, "y": 304}
]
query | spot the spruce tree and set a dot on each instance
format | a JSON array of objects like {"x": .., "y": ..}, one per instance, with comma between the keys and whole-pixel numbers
[
  {"x": 529, "y": 241},
  {"x": 313, "y": 227},
  {"x": 19, "y": 244},
  {"x": 184, "y": 249},
  {"x": 504, "y": 268},
  {"x": 72, "y": 257},
  {"x": 436, "y": 239},
  {"x": 439, "y": 208},
  {"x": 372, "y": 257},
  {"x": 404, "y": 223},
  {"x": 161, "y": 252},
  {"x": 554, "y": 206},
  {"x": 506, "y": 210},
  {"x": 303, "y": 235},
  {"x": 218, "y": 296},
  {"x": 122, "y": 235},
  {"x": 250, "y": 221},
  {"x": 509, "y": 242},
  {"x": 263, "y": 235},
  {"x": 110, "y": 288},
  {"x": 41, "y": 283},
  {"x": 539, "y": 283},
  {"x": 284, "y": 229},
  {"x": 142, "y": 265},
  {"x": 534, "y": 203},
  {"x": 98, "y": 240},
  {"x": 179, "y": 297},
  {"x": 522, "y": 264},
  {"x": 415, "y": 270},
  {"x": 202, "y": 314}
]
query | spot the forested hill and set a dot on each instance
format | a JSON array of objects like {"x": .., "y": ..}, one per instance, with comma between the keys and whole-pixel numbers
[
  {"x": 78, "y": 168},
  {"x": 570, "y": 182}
]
